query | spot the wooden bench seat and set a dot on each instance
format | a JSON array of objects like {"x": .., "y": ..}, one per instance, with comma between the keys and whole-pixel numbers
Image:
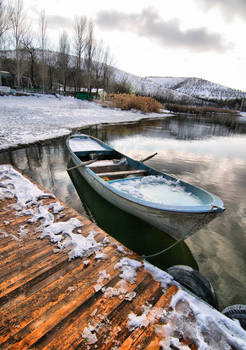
[{"x": 122, "y": 173}]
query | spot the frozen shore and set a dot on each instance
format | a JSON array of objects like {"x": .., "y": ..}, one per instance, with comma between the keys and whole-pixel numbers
[{"x": 29, "y": 119}]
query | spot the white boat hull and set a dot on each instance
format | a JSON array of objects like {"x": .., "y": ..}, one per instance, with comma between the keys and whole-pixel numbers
[{"x": 177, "y": 225}]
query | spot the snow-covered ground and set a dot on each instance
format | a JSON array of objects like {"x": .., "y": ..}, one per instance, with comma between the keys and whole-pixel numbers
[{"x": 29, "y": 119}]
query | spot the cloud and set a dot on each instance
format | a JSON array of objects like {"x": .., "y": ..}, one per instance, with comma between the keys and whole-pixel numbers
[
  {"x": 230, "y": 8},
  {"x": 55, "y": 22},
  {"x": 166, "y": 33}
]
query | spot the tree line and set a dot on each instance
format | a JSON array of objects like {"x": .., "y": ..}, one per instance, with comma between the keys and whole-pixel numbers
[{"x": 80, "y": 63}]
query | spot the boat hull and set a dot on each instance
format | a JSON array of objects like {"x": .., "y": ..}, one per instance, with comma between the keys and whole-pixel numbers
[{"x": 178, "y": 225}]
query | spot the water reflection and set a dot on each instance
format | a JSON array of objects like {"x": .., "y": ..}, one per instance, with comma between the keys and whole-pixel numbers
[
  {"x": 201, "y": 151},
  {"x": 46, "y": 165}
]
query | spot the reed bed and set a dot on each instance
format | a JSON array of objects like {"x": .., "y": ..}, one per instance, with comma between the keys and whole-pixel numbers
[
  {"x": 198, "y": 109},
  {"x": 131, "y": 101}
]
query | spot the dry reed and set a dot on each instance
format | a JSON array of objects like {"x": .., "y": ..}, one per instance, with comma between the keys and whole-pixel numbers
[{"x": 131, "y": 101}]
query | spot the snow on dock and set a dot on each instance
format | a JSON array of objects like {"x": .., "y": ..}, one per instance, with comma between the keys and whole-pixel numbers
[{"x": 65, "y": 283}]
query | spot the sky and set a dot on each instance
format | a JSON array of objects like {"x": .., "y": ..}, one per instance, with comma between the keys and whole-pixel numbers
[{"x": 179, "y": 38}]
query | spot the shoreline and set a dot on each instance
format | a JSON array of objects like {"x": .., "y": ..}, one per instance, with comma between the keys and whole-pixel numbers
[
  {"x": 47, "y": 118},
  {"x": 75, "y": 130}
]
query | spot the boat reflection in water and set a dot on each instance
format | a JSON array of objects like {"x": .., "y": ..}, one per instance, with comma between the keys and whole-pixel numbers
[{"x": 134, "y": 233}]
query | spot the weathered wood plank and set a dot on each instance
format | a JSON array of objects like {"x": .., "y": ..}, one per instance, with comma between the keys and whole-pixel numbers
[
  {"x": 122, "y": 173},
  {"x": 141, "y": 337},
  {"x": 47, "y": 301},
  {"x": 96, "y": 311},
  {"x": 52, "y": 302}
]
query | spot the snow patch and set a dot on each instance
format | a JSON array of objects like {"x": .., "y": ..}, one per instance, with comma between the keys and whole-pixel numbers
[
  {"x": 120, "y": 248},
  {"x": 157, "y": 189},
  {"x": 77, "y": 144},
  {"x": 137, "y": 321},
  {"x": 3, "y": 234},
  {"x": 101, "y": 256},
  {"x": 189, "y": 317},
  {"x": 16, "y": 185},
  {"x": 23, "y": 231},
  {"x": 121, "y": 290},
  {"x": 206, "y": 326},
  {"x": 28, "y": 196},
  {"x": 106, "y": 241},
  {"x": 128, "y": 269},
  {"x": 102, "y": 276},
  {"x": 160, "y": 276},
  {"x": 90, "y": 337},
  {"x": 147, "y": 317}
]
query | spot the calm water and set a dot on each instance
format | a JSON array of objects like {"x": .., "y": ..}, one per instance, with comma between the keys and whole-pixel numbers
[{"x": 210, "y": 155}]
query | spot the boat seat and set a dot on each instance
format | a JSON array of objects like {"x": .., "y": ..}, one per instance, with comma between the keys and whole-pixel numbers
[
  {"x": 108, "y": 166},
  {"x": 122, "y": 173}
]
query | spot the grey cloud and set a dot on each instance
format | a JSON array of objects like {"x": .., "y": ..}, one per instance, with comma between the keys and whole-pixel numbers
[
  {"x": 59, "y": 22},
  {"x": 167, "y": 33},
  {"x": 230, "y": 8}
]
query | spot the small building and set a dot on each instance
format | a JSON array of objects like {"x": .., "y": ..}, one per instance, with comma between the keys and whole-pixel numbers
[
  {"x": 84, "y": 95},
  {"x": 6, "y": 78}
]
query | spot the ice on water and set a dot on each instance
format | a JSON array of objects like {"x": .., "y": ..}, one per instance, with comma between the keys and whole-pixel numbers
[{"x": 159, "y": 190}]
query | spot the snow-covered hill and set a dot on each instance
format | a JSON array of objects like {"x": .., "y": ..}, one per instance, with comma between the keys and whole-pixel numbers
[
  {"x": 199, "y": 88},
  {"x": 150, "y": 87},
  {"x": 180, "y": 89}
]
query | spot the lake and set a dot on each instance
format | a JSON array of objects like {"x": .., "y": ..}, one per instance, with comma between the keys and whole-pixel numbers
[{"x": 206, "y": 151}]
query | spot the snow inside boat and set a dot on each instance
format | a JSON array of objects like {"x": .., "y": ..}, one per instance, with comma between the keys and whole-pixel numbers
[{"x": 174, "y": 206}]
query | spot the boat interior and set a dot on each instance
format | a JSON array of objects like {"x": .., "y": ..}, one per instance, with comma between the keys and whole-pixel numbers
[{"x": 112, "y": 166}]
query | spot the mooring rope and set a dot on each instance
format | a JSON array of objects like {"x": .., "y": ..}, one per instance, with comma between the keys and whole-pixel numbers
[
  {"x": 164, "y": 250},
  {"x": 175, "y": 243}
]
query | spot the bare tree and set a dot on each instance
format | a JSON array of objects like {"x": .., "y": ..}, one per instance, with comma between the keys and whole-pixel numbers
[
  {"x": 63, "y": 58},
  {"x": 19, "y": 28},
  {"x": 98, "y": 65},
  {"x": 107, "y": 70},
  {"x": 89, "y": 55},
  {"x": 6, "y": 12},
  {"x": 43, "y": 42},
  {"x": 79, "y": 46},
  {"x": 29, "y": 46},
  {"x": 51, "y": 61}
]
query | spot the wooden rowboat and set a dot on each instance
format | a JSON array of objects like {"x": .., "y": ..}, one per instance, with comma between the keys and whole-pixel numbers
[{"x": 172, "y": 205}]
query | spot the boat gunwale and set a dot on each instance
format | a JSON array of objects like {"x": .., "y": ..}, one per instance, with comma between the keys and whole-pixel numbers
[{"x": 215, "y": 206}]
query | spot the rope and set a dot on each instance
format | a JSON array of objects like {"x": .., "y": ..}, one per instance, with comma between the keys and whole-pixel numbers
[
  {"x": 164, "y": 250},
  {"x": 175, "y": 243}
]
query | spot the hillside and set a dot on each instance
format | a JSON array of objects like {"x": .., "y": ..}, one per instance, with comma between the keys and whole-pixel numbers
[
  {"x": 193, "y": 91},
  {"x": 199, "y": 88},
  {"x": 150, "y": 87}
]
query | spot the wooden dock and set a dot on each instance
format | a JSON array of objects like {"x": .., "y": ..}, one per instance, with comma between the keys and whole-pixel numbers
[{"x": 49, "y": 302}]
